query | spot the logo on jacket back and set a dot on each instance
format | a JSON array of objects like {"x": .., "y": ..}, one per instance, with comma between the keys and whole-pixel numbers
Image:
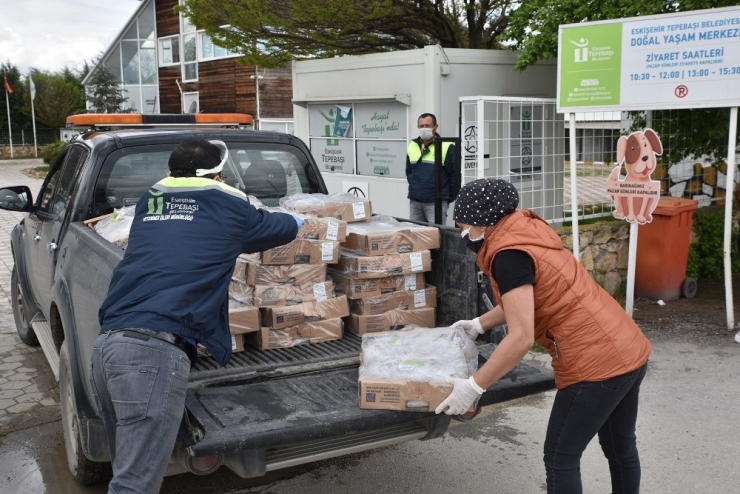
[{"x": 155, "y": 204}]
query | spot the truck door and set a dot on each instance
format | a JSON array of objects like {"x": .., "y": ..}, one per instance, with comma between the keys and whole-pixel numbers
[{"x": 49, "y": 222}]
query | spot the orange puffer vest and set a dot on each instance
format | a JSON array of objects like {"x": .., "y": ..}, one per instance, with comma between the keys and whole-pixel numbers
[{"x": 588, "y": 334}]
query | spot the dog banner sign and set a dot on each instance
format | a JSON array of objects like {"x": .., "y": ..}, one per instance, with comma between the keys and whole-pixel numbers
[{"x": 636, "y": 195}]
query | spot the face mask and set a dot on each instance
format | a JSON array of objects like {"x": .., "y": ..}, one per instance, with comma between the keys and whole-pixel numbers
[
  {"x": 474, "y": 244},
  {"x": 426, "y": 134}
]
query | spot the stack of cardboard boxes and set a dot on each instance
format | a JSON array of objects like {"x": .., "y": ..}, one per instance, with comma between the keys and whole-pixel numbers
[
  {"x": 288, "y": 289},
  {"x": 381, "y": 270}
]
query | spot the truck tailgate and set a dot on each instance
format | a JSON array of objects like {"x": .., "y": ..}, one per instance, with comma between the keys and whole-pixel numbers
[{"x": 315, "y": 406}]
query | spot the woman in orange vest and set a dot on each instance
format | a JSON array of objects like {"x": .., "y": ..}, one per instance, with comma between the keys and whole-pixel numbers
[{"x": 599, "y": 355}]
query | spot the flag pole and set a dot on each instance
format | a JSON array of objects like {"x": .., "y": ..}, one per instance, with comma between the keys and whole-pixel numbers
[
  {"x": 10, "y": 132},
  {"x": 33, "y": 115}
]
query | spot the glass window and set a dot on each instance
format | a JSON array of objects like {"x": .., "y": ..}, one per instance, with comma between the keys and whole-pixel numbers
[
  {"x": 55, "y": 195},
  {"x": 185, "y": 26},
  {"x": 148, "y": 61},
  {"x": 169, "y": 50},
  {"x": 206, "y": 46},
  {"x": 150, "y": 103},
  {"x": 130, "y": 56},
  {"x": 190, "y": 57},
  {"x": 131, "y": 32},
  {"x": 113, "y": 63},
  {"x": 146, "y": 22}
]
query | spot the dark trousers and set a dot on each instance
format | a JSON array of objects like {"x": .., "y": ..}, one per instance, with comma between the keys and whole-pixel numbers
[{"x": 607, "y": 408}]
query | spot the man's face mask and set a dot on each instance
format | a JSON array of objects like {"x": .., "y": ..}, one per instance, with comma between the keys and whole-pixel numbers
[
  {"x": 426, "y": 133},
  {"x": 474, "y": 244}
]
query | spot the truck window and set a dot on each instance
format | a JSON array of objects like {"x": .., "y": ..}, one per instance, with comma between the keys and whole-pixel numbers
[
  {"x": 266, "y": 171},
  {"x": 53, "y": 198}
]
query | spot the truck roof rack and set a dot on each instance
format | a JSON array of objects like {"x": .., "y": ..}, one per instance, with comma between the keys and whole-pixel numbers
[{"x": 109, "y": 121}]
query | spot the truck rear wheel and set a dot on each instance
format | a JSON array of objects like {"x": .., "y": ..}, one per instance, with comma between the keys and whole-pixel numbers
[
  {"x": 84, "y": 471},
  {"x": 25, "y": 332}
]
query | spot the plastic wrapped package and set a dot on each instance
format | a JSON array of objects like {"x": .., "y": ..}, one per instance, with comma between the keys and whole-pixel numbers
[
  {"x": 301, "y": 334},
  {"x": 243, "y": 318},
  {"x": 342, "y": 206},
  {"x": 268, "y": 295},
  {"x": 318, "y": 228},
  {"x": 398, "y": 300},
  {"x": 241, "y": 292},
  {"x": 354, "y": 265},
  {"x": 116, "y": 226},
  {"x": 297, "y": 274},
  {"x": 410, "y": 369},
  {"x": 358, "y": 289},
  {"x": 384, "y": 235},
  {"x": 280, "y": 317},
  {"x": 393, "y": 319},
  {"x": 302, "y": 251},
  {"x": 255, "y": 202}
]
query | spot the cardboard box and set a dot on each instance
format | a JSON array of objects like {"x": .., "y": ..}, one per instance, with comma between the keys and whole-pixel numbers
[
  {"x": 376, "y": 238},
  {"x": 296, "y": 274},
  {"x": 402, "y": 395},
  {"x": 416, "y": 299},
  {"x": 241, "y": 292},
  {"x": 323, "y": 229},
  {"x": 291, "y": 315},
  {"x": 301, "y": 251},
  {"x": 237, "y": 343},
  {"x": 307, "y": 333},
  {"x": 358, "y": 289},
  {"x": 362, "y": 267},
  {"x": 244, "y": 319},
  {"x": 361, "y": 325},
  {"x": 240, "y": 267},
  {"x": 345, "y": 207},
  {"x": 268, "y": 295}
]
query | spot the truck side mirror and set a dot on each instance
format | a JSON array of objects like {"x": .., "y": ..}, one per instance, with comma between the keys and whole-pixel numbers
[{"x": 16, "y": 198}]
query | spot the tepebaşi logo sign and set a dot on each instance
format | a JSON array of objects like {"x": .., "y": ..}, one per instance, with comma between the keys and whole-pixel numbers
[
  {"x": 682, "y": 60},
  {"x": 636, "y": 195}
]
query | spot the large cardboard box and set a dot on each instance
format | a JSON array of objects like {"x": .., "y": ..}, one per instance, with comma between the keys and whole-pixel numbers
[
  {"x": 237, "y": 343},
  {"x": 376, "y": 323},
  {"x": 244, "y": 319},
  {"x": 323, "y": 229},
  {"x": 412, "y": 396},
  {"x": 280, "y": 317},
  {"x": 363, "y": 267},
  {"x": 296, "y": 274},
  {"x": 357, "y": 289},
  {"x": 402, "y": 299},
  {"x": 345, "y": 207},
  {"x": 268, "y": 295},
  {"x": 302, "y": 334},
  {"x": 376, "y": 238},
  {"x": 302, "y": 251}
]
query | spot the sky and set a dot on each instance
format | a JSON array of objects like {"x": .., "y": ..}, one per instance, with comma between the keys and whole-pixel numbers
[{"x": 50, "y": 34}]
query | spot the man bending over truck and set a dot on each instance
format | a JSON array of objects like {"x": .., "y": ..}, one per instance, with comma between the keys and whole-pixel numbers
[{"x": 168, "y": 294}]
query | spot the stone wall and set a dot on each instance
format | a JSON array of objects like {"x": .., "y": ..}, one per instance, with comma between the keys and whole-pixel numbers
[
  {"x": 604, "y": 249},
  {"x": 18, "y": 151}
]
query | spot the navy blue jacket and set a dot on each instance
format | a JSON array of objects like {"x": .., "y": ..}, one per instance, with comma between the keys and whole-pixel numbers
[
  {"x": 420, "y": 174},
  {"x": 175, "y": 274}
]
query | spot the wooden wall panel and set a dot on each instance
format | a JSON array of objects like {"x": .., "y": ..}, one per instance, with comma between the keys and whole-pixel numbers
[
  {"x": 168, "y": 22},
  {"x": 276, "y": 93},
  {"x": 169, "y": 95}
]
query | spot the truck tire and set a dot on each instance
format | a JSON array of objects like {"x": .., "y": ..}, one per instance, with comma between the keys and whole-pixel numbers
[
  {"x": 25, "y": 332},
  {"x": 84, "y": 471}
]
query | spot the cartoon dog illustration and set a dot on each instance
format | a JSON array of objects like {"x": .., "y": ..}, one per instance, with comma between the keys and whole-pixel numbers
[{"x": 638, "y": 152}]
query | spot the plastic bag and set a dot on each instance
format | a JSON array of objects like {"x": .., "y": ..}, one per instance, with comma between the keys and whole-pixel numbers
[{"x": 115, "y": 229}]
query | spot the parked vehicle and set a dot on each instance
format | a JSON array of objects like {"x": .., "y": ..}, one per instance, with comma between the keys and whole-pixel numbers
[{"x": 262, "y": 411}]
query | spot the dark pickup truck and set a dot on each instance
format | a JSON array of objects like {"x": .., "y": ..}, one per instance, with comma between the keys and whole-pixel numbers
[{"x": 264, "y": 410}]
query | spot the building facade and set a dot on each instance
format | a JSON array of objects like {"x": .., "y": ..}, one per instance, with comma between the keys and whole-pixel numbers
[{"x": 166, "y": 65}]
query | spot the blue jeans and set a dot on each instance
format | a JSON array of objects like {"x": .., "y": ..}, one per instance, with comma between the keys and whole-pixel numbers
[
  {"x": 139, "y": 387},
  {"x": 607, "y": 408},
  {"x": 424, "y": 211}
]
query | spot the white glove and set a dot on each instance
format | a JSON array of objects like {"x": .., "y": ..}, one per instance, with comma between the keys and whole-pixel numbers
[
  {"x": 472, "y": 328},
  {"x": 464, "y": 393}
]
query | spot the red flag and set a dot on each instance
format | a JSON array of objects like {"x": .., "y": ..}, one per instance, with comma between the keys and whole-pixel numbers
[{"x": 7, "y": 85}]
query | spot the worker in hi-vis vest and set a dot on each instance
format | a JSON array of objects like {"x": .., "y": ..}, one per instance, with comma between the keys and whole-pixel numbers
[{"x": 420, "y": 172}]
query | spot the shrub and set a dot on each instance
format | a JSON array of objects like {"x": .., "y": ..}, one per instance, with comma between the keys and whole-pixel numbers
[
  {"x": 705, "y": 254},
  {"x": 51, "y": 151}
]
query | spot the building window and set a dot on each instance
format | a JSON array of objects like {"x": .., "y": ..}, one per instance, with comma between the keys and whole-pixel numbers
[
  {"x": 209, "y": 50},
  {"x": 190, "y": 58},
  {"x": 169, "y": 50}
]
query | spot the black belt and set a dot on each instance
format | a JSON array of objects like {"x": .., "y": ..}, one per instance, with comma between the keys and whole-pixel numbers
[{"x": 145, "y": 334}]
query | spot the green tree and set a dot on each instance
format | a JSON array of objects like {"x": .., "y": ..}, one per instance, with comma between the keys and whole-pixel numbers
[
  {"x": 57, "y": 97},
  {"x": 271, "y": 33},
  {"x": 105, "y": 96},
  {"x": 533, "y": 27}
]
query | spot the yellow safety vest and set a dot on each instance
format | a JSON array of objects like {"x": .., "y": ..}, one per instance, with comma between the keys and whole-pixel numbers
[{"x": 414, "y": 153}]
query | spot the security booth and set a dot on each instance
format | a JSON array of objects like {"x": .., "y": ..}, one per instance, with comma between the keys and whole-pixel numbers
[{"x": 358, "y": 114}]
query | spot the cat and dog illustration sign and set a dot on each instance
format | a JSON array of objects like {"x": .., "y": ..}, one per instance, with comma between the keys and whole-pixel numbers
[{"x": 636, "y": 195}]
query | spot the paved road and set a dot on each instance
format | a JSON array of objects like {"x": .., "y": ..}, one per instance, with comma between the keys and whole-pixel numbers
[{"x": 688, "y": 432}]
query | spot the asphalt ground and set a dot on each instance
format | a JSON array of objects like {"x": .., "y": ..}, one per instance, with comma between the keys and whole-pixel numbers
[{"x": 688, "y": 428}]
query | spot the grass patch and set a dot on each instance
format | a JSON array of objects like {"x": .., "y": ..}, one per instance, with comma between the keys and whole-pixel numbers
[{"x": 42, "y": 169}]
